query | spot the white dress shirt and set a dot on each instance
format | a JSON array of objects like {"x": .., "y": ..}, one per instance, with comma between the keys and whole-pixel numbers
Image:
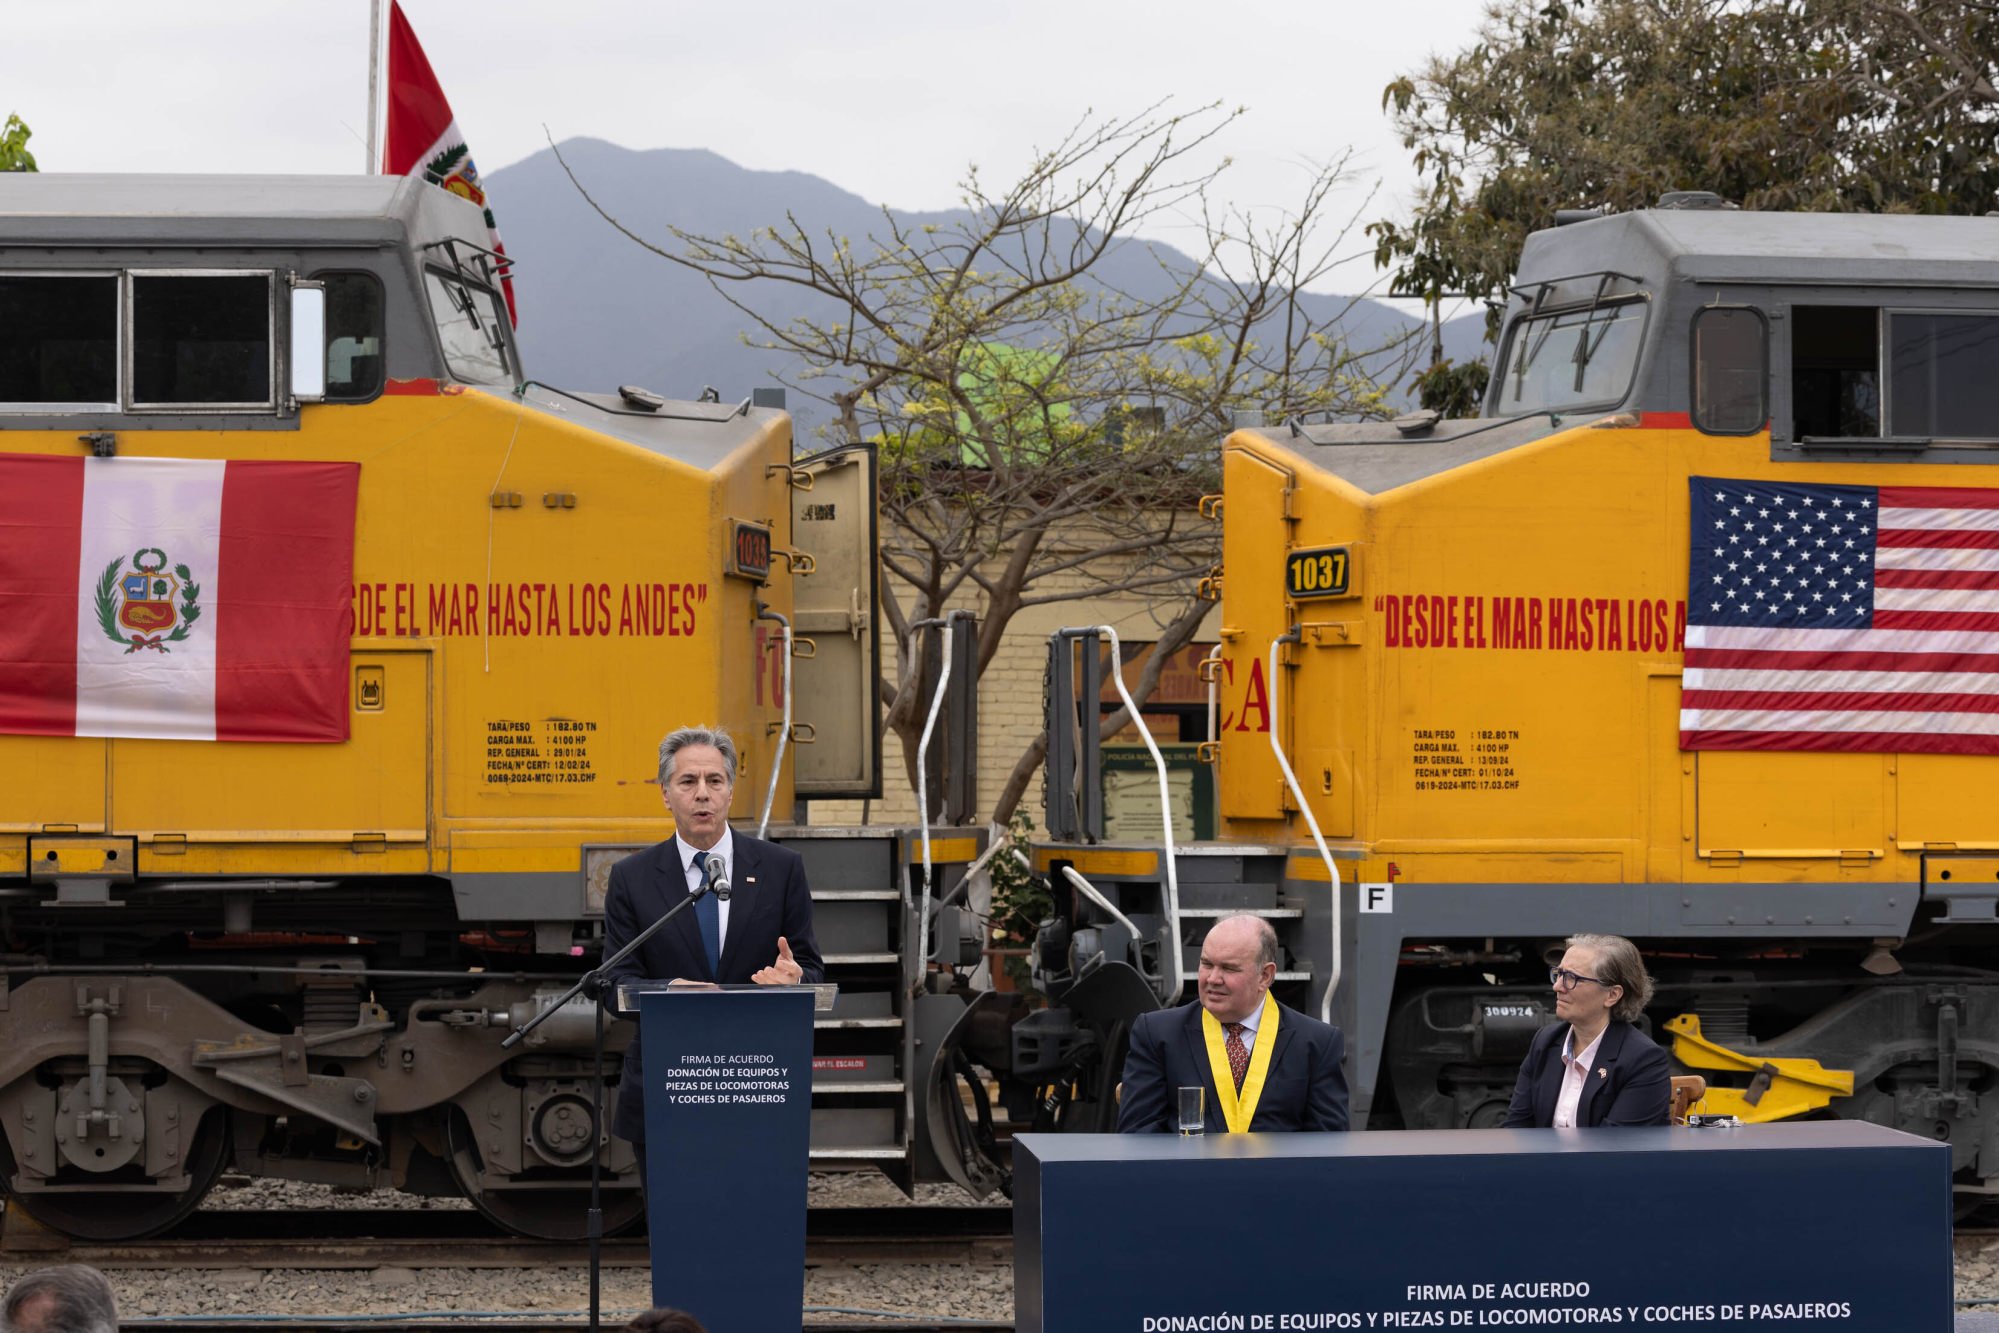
[
  {"x": 725, "y": 852},
  {"x": 1575, "y": 1075},
  {"x": 1249, "y": 1029}
]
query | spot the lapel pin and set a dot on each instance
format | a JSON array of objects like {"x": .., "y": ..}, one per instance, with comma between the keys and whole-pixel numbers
[
  {"x": 749, "y": 879},
  {"x": 1603, "y": 1073}
]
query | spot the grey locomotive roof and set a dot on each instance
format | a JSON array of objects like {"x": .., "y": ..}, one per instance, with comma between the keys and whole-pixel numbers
[
  {"x": 700, "y": 434},
  {"x": 1847, "y": 249},
  {"x": 1375, "y": 457},
  {"x": 54, "y": 208}
]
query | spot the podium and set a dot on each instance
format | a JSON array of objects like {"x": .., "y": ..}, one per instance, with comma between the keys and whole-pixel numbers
[
  {"x": 728, "y": 1098},
  {"x": 1813, "y": 1227}
]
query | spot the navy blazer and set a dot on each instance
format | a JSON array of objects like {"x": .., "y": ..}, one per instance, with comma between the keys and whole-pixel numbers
[
  {"x": 1631, "y": 1083},
  {"x": 1306, "y": 1087},
  {"x": 768, "y": 898}
]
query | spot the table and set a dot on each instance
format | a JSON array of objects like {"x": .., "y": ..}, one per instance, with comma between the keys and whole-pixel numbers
[{"x": 1824, "y": 1226}]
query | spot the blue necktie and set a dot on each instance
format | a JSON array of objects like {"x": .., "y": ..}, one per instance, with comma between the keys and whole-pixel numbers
[{"x": 709, "y": 913}]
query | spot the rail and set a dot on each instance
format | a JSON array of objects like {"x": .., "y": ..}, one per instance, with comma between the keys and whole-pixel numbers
[{"x": 346, "y": 1238}]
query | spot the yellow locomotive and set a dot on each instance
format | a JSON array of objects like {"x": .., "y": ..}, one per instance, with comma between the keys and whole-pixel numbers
[
  {"x": 1467, "y": 703},
  {"x": 1692, "y": 637},
  {"x": 298, "y": 950}
]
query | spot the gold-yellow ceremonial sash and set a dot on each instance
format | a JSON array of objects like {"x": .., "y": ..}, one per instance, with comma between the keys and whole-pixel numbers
[{"x": 1239, "y": 1110}]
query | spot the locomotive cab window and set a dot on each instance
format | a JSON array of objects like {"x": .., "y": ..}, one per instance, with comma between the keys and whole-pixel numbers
[
  {"x": 58, "y": 341},
  {"x": 1835, "y": 372},
  {"x": 201, "y": 340},
  {"x": 1860, "y": 372},
  {"x": 1570, "y": 359},
  {"x": 1731, "y": 363},
  {"x": 472, "y": 325},
  {"x": 1943, "y": 374},
  {"x": 354, "y": 325}
]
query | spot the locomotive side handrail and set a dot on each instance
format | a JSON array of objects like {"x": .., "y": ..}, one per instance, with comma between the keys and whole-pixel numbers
[
  {"x": 1175, "y": 972},
  {"x": 1305, "y": 808},
  {"x": 1211, "y": 669},
  {"x": 784, "y": 735},
  {"x": 923, "y": 785}
]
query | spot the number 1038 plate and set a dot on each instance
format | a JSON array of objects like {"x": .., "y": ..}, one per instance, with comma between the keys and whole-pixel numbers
[{"x": 1324, "y": 571}]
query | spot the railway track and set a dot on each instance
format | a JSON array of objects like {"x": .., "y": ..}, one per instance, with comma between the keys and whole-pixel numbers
[
  {"x": 1978, "y": 1221},
  {"x": 364, "y": 1238}
]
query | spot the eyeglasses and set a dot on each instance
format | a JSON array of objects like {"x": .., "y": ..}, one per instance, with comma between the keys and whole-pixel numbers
[{"x": 1564, "y": 979}]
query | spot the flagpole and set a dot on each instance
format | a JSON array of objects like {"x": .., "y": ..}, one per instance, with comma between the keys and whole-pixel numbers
[{"x": 374, "y": 77}]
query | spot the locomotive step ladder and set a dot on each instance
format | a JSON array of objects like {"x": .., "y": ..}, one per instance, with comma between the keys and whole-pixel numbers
[{"x": 866, "y": 900}]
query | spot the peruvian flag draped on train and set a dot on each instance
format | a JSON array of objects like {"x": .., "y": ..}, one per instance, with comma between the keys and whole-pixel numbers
[
  {"x": 422, "y": 137},
  {"x": 176, "y": 598}
]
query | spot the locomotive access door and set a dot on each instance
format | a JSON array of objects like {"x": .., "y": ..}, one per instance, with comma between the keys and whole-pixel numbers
[
  {"x": 835, "y": 607},
  {"x": 1792, "y": 805},
  {"x": 1256, "y": 537}
]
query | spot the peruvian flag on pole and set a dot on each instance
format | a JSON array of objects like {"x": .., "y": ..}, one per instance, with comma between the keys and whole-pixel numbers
[
  {"x": 174, "y": 598},
  {"x": 423, "y": 138}
]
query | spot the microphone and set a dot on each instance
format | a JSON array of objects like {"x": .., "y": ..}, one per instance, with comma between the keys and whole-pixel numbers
[{"x": 718, "y": 879}]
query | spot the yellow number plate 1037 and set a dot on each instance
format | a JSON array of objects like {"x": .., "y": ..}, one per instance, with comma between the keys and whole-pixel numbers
[{"x": 1325, "y": 571}]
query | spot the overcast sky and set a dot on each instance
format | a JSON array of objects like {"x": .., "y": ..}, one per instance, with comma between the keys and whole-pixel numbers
[{"x": 888, "y": 99}]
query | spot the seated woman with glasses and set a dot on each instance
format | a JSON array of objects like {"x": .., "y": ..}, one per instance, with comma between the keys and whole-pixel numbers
[{"x": 1592, "y": 1067}]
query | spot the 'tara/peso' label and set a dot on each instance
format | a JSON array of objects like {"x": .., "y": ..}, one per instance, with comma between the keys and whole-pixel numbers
[
  {"x": 542, "y": 752},
  {"x": 1454, "y": 759}
]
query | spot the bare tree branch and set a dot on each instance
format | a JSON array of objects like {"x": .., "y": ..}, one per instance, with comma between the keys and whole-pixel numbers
[{"x": 1045, "y": 430}]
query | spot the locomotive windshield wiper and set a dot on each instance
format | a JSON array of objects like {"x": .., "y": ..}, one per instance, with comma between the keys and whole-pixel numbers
[{"x": 1532, "y": 354}]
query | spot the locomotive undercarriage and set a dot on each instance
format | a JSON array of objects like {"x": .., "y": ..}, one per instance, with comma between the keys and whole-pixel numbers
[
  {"x": 1785, "y": 1034},
  {"x": 127, "y": 1086}
]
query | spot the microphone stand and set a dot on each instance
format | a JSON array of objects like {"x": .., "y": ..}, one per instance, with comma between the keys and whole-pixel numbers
[{"x": 592, "y": 984}]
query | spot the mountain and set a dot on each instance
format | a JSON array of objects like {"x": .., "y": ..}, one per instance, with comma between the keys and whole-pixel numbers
[{"x": 598, "y": 310}]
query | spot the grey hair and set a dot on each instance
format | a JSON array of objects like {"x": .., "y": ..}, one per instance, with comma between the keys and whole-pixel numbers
[
  {"x": 1266, "y": 936},
  {"x": 676, "y": 741},
  {"x": 662, "y": 1320},
  {"x": 70, "y": 1298},
  {"x": 1618, "y": 963}
]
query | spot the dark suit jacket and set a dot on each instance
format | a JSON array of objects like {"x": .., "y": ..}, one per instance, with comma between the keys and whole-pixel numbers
[
  {"x": 1634, "y": 1086},
  {"x": 1305, "y": 1089},
  {"x": 768, "y": 898}
]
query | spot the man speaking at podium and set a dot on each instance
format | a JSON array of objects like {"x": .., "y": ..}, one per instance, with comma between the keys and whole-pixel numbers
[
  {"x": 761, "y": 933},
  {"x": 1263, "y": 1065}
]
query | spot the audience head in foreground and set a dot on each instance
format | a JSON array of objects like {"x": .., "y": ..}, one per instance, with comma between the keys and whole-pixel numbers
[
  {"x": 659, "y": 1319},
  {"x": 70, "y": 1298}
]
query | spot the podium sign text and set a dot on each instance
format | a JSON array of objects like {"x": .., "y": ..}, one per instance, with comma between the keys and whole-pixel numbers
[
  {"x": 728, "y": 1102},
  {"x": 1823, "y": 1227}
]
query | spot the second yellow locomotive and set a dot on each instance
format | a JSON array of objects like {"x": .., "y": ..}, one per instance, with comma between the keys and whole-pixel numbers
[{"x": 1546, "y": 671}]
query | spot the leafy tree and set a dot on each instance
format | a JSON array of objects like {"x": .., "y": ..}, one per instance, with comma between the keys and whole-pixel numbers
[
  {"x": 14, "y": 154},
  {"x": 1835, "y": 105},
  {"x": 1045, "y": 434}
]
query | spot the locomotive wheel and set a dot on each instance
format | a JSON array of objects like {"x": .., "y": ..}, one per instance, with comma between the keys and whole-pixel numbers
[
  {"x": 559, "y": 1209},
  {"x": 110, "y": 1214}
]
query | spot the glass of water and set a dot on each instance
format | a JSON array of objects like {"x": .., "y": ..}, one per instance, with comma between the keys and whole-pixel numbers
[{"x": 1193, "y": 1110}]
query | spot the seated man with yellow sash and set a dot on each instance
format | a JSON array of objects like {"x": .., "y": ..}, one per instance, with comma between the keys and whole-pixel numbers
[{"x": 1264, "y": 1065}]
